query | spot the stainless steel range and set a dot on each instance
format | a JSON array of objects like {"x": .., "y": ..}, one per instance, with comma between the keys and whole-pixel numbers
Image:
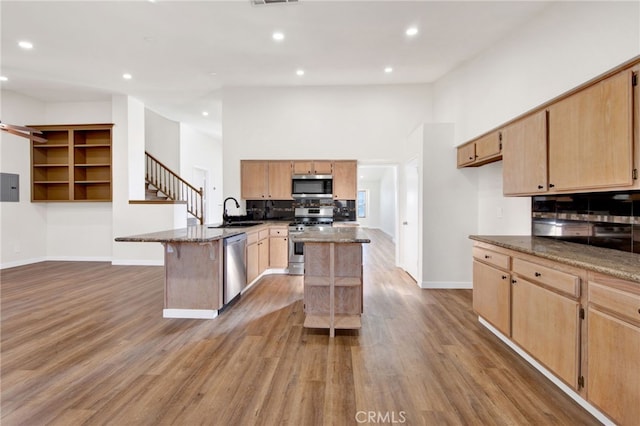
[{"x": 316, "y": 217}]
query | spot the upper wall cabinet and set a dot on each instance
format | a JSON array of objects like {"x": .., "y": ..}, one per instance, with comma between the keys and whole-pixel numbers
[
  {"x": 486, "y": 149},
  {"x": 345, "y": 180},
  {"x": 73, "y": 165},
  {"x": 312, "y": 167},
  {"x": 591, "y": 137},
  {"x": 265, "y": 180},
  {"x": 524, "y": 155}
]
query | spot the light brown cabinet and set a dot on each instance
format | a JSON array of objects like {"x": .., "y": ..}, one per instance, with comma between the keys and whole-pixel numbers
[
  {"x": 485, "y": 149},
  {"x": 73, "y": 165},
  {"x": 547, "y": 325},
  {"x": 591, "y": 136},
  {"x": 313, "y": 167},
  {"x": 278, "y": 247},
  {"x": 333, "y": 285},
  {"x": 345, "y": 180},
  {"x": 524, "y": 156},
  {"x": 492, "y": 288},
  {"x": 257, "y": 253},
  {"x": 265, "y": 180},
  {"x": 613, "y": 348}
]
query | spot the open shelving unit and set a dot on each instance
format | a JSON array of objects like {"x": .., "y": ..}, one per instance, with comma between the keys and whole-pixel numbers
[
  {"x": 333, "y": 286},
  {"x": 73, "y": 165}
]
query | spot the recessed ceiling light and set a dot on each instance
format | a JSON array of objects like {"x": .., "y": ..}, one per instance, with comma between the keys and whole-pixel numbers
[
  {"x": 25, "y": 44},
  {"x": 300, "y": 72},
  {"x": 3, "y": 78},
  {"x": 127, "y": 76},
  {"x": 205, "y": 113},
  {"x": 411, "y": 31},
  {"x": 388, "y": 70},
  {"x": 278, "y": 36}
]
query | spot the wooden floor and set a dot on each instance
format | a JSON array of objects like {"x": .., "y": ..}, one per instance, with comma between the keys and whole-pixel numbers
[{"x": 85, "y": 343}]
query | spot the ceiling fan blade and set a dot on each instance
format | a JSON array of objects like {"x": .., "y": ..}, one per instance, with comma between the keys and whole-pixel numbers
[{"x": 24, "y": 135}]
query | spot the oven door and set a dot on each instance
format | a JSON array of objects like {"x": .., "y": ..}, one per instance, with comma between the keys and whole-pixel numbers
[{"x": 296, "y": 257}]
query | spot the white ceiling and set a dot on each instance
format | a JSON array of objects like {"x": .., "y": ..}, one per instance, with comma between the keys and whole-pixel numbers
[{"x": 182, "y": 53}]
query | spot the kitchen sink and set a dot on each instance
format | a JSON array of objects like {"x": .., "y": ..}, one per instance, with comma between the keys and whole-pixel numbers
[{"x": 237, "y": 225}]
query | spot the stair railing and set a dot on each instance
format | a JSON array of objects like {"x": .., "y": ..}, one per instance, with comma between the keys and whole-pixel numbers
[{"x": 173, "y": 186}]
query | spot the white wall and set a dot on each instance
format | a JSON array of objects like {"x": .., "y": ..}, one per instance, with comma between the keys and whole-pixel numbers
[
  {"x": 23, "y": 225},
  {"x": 204, "y": 152},
  {"x": 388, "y": 202},
  {"x": 78, "y": 231},
  {"x": 363, "y": 123},
  {"x": 162, "y": 139},
  {"x": 569, "y": 43}
]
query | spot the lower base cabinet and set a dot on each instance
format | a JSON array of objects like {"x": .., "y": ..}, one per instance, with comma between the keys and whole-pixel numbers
[
  {"x": 547, "y": 326},
  {"x": 613, "y": 351},
  {"x": 583, "y": 326}
]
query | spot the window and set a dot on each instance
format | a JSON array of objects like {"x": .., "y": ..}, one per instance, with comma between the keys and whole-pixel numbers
[{"x": 362, "y": 203}]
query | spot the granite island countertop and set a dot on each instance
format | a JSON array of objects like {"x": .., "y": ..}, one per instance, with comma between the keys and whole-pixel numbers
[
  {"x": 331, "y": 235},
  {"x": 620, "y": 264},
  {"x": 195, "y": 233}
]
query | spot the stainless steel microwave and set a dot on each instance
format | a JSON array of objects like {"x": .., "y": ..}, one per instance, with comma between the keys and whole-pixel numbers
[{"x": 312, "y": 186}]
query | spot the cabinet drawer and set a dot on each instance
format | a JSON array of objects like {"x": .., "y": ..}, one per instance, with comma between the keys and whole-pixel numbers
[
  {"x": 497, "y": 259},
  {"x": 278, "y": 232},
  {"x": 252, "y": 237},
  {"x": 617, "y": 301},
  {"x": 262, "y": 234},
  {"x": 561, "y": 281}
]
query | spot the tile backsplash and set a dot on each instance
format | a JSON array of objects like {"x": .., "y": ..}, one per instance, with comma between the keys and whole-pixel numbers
[{"x": 610, "y": 220}]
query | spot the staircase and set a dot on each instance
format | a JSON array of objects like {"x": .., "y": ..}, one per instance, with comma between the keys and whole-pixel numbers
[{"x": 164, "y": 184}]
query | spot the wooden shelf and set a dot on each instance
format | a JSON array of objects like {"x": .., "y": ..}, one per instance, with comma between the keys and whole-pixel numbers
[
  {"x": 342, "y": 322},
  {"x": 73, "y": 165}
]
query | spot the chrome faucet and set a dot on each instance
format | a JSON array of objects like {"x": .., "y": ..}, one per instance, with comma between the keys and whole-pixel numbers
[{"x": 225, "y": 215}]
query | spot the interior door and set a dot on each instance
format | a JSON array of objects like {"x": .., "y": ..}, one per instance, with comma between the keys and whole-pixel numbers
[{"x": 410, "y": 224}]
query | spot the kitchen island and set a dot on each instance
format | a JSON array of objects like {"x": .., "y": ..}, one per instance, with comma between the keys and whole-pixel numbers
[
  {"x": 193, "y": 269},
  {"x": 333, "y": 290}
]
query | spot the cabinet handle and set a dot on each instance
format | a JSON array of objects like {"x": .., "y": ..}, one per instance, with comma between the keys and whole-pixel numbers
[
  {"x": 486, "y": 256},
  {"x": 504, "y": 277},
  {"x": 538, "y": 274},
  {"x": 513, "y": 281},
  {"x": 540, "y": 187},
  {"x": 470, "y": 158},
  {"x": 551, "y": 185}
]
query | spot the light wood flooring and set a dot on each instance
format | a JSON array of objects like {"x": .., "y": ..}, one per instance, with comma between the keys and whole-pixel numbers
[{"x": 85, "y": 343}]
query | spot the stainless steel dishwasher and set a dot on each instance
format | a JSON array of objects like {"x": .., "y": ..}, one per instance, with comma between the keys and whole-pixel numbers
[{"x": 235, "y": 271}]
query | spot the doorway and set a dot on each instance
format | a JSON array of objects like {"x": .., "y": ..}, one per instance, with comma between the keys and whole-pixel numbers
[{"x": 410, "y": 227}]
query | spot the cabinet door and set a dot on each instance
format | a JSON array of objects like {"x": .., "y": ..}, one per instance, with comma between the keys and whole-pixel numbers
[
  {"x": 492, "y": 296},
  {"x": 613, "y": 369},
  {"x": 278, "y": 252},
  {"x": 466, "y": 154},
  {"x": 546, "y": 325},
  {"x": 252, "y": 262},
  {"x": 345, "y": 182},
  {"x": 591, "y": 137},
  {"x": 524, "y": 156},
  {"x": 303, "y": 167},
  {"x": 488, "y": 146},
  {"x": 323, "y": 167},
  {"x": 254, "y": 175},
  {"x": 263, "y": 255},
  {"x": 280, "y": 180}
]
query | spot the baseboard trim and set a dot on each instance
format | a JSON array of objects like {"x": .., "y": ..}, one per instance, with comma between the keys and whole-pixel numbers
[
  {"x": 451, "y": 285},
  {"x": 190, "y": 313},
  {"x": 549, "y": 375},
  {"x": 22, "y": 262}
]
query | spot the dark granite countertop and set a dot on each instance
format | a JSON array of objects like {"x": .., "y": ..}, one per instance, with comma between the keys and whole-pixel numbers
[
  {"x": 351, "y": 234},
  {"x": 195, "y": 233},
  {"x": 617, "y": 263}
]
